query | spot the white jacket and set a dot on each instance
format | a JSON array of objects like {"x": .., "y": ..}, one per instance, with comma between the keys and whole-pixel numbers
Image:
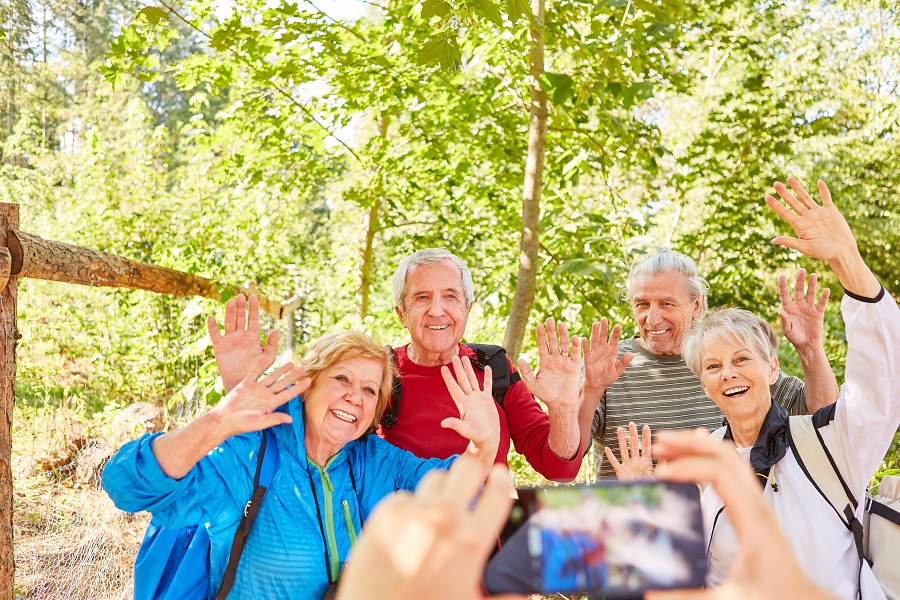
[{"x": 865, "y": 418}]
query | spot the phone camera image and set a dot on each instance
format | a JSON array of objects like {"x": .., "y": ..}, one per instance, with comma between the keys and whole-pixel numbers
[{"x": 612, "y": 539}]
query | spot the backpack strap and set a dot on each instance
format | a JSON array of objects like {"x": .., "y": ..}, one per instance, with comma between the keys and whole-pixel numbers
[
  {"x": 501, "y": 378},
  {"x": 485, "y": 355},
  {"x": 818, "y": 465},
  {"x": 266, "y": 461},
  {"x": 389, "y": 418}
]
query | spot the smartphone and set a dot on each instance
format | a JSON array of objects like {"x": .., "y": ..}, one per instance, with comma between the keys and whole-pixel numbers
[{"x": 613, "y": 539}]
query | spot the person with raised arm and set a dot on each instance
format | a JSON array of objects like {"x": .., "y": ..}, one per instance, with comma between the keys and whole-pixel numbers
[{"x": 331, "y": 470}]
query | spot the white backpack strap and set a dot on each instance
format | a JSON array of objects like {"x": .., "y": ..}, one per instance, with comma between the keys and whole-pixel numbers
[
  {"x": 719, "y": 434},
  {"x": 819, "y": 467}
]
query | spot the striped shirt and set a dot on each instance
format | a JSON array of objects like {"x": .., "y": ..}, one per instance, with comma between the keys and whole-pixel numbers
[{"x": 660, "y": 391}]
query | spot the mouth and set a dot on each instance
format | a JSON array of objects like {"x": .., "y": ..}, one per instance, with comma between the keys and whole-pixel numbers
[
  {"x": 436, "y": 327},
  {"x": 657, "y": 331},
  {"x": 343, "y": 416},
  {"x": 735, "y": 391}
]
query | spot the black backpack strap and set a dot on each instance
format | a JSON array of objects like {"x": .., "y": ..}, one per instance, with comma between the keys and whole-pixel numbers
[
  {"x": 489, "y": 355},
  {"x": 265, "y": 465},
  {"x": 389, "y": 418}
]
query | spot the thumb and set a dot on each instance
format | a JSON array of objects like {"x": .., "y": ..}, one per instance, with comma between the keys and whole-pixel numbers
[
  {"x": 275, "y": 418},
  {"x": 790, "y": 242},
  {"x": 526, "y": 373},
  {"x": 457, "y": 425},
  {"x": 624, "y": 362}
]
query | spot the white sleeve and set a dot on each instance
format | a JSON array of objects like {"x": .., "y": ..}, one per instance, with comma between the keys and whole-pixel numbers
[{"x": 867, "y": 413}]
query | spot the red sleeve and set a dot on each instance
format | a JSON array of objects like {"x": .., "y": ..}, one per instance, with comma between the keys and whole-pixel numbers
[{"x": 529, "y": 428}]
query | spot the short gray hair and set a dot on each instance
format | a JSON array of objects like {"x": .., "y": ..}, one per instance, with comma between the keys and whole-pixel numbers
[
  {"x": 431, "y": 256},
  {"x": 667, "y": 260},
  {"x": 736, "y": 324}
]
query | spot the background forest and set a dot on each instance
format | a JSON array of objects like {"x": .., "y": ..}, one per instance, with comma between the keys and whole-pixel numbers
[{"x": 310, "y": 146}]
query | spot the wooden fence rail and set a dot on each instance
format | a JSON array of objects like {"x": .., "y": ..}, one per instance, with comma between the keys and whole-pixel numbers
[{"x": 26, "y": 255}]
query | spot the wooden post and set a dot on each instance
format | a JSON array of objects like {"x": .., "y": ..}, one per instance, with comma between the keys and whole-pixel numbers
[
  {"x": 9, "y": 219},
  {"x": 288, "y": 309}
]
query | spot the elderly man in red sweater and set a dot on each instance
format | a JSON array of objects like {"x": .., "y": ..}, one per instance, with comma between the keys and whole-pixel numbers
[{"x": 433, "y": 294}]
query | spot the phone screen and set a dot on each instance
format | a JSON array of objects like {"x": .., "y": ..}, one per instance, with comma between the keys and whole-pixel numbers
[{"x": 614, "y": 538}]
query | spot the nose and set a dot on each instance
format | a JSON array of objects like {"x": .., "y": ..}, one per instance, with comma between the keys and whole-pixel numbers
[
  {"x": 728, "y": 371},
  {"x": 652, "y": 313},
  {"x": 436, "y": 308},
  {"x": 354, "y": 396}
]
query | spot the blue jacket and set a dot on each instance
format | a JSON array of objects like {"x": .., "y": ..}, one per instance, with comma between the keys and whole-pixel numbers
[{"x": 285, "y": 555}]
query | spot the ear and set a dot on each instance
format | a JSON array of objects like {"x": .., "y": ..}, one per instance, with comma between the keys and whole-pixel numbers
[
  {"x": 400, "y": 314},
  {"x": 697, "y": 307},
  {"x": 774, "y": 370}
]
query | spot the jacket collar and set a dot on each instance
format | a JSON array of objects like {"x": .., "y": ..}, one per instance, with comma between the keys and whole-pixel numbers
[{"x": 771, "y": 442}]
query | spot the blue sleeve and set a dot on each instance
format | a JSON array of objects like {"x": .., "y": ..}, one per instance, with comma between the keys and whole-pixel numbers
[
  {"x": 409, "y": 469},
  {"x": 215, "y": 490}
]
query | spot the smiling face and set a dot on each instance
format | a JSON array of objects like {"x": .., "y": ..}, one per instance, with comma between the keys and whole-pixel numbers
[
  {"x": 663, "y": 311},
  {"x": 737, "y": 379},
  {"x": 435, "y": 312},
  {"x": 340, "y": 405}
]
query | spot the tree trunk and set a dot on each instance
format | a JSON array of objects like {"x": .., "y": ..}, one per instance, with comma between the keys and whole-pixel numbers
[
  {"x": 531, "y": 195},
  {"x": 365, "y": 271},
  {"x": 9, "y": 219}
]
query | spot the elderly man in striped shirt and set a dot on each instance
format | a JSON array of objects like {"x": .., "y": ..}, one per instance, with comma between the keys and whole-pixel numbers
[{"x": 645, "y": 380}]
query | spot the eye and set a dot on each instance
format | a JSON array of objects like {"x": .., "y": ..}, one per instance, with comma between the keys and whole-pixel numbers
[
  {"x": 741, "y": 359},
  {"x": 342, "y": 378},
  {"x": 712, "y": 366},
  {"x": 370, "y": 391},
  {"x": 640, "y": 304}
]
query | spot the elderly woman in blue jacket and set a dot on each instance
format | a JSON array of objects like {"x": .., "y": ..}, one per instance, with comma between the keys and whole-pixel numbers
[{"x": 331, "y": 472}]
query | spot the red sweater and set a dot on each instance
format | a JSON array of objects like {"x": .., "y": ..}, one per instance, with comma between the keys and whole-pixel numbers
[{"x": 426, "y": 402}]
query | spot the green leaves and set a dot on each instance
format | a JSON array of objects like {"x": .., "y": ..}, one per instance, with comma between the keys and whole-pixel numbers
[
  {"x": 487, "y": 10},
  {"x": 441, "y": 48},
  {"x": 559, "y": 85},
  {"x": 153, "y": 14}
]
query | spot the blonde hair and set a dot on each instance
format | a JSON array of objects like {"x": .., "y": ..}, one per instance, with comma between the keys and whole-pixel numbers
[
  {"x": 334, "y": 347},
  {"x": 737, "y": 324}
]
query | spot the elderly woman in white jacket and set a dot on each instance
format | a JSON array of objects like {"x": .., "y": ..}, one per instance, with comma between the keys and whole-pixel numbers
[{"x": 733, "y": 352}]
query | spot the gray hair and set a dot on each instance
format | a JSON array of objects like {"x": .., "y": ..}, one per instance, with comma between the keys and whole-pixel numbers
[
  {"x": 735, "y": 324},
  {"x": 431, "y": 256},
  {"x": 667, "y": 260}
]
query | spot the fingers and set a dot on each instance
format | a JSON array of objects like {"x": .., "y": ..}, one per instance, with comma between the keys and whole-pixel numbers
[
  {"x": 494, "y": 503},
  {"x": 800, "y": 284},
  {"x": 790, "y": 243},
  {"x": 526, "y": 373},
  {"x": 275, "y": 418},
  {"x": 824, "y": 193},
  {"x": 552, "y": 340},
  {"x": 826, "y": 293},
  {"x": 464, "y": 480},
  {"x": 801, "y": 193},
  {"x": 789, "y": 217},
  {"x": 465, "y": 375},
  {"x": 646, "y": 440},
  {"x": 260, "y": 367},
  {"x": 541, "y": 333},
  {"x": 240, "y": 313},
  {"x": 612, "y": 458},
  {"x": 214, "y": 335},
  {"x": 230, "y": 312},
  {"x": 624, "y": 450},
  {"x": 789, "y": 198},
  {"x": 623, "y": 362},
  {"x": 253, "y": 317},
  {"x": 271, "y": 343},
  {"x": 564, "y": 347}
]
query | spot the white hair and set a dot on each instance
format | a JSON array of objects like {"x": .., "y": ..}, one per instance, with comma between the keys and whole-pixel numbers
[
  {"x": 735, "y": 324},
  {"x": 667, "y": 260},
  {"x": 431, "y": 256}
]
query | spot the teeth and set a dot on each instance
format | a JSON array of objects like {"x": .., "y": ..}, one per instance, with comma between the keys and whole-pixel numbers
[
  {"x": 437, "y": 327},
  {"x": 658, "y": 332},
  {"x": 343, "y": 416},
  {"x": 734, "y": 391}
]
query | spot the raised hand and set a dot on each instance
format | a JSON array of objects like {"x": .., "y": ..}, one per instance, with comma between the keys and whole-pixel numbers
[
  {"x": 801, "y": 316},
  {"x": 478, "y": 419},
  {"x": 251, "y": 405},
  {"x": 433, "y": 544},
  {"x": 602, "y": 367},
  {"x": 558, "y": 377},
  {"x": 823, "y": 233},
  {"x": 637, "y": 463},
  {"x": 239, "y": 349}
]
